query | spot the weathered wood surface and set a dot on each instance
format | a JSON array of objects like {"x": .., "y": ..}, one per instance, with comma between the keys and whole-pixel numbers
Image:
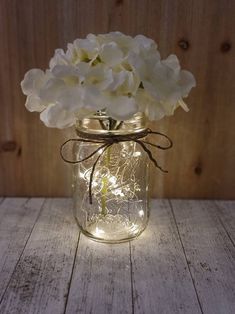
[
  {"x": 226, "y": 214},
  {"x": 161, "y": 279},
  {"x": 17, "y": 218},
  {"x": 183, "y": 263},
  {"x": 101, "y": 280},
  {"x": 209, "y": 252},
  {"x": 41, "y": 278},
  {"x": 201, "y": 33}
]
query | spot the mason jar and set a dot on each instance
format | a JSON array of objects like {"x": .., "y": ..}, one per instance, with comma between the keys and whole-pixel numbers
[{"x": 112, "y": 204}]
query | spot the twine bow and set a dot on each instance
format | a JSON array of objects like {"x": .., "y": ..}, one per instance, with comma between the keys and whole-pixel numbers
[{"x": 106, "y": 141}]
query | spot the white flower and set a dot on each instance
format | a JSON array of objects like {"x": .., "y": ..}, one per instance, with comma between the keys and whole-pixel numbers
[
  {"x": 32, "y": 83},
  {"x": 131, "y": 84},
  {"x": 94, "y": 98},
  {"x": 82, "y": 50},
  {"x": 124, "y": 83},
  {"x": 69, "y": 103},
  {"x": 70, "y": 98},
  {"x": 59, "y": 58},
  {"x": 184, "y": 79},
  {"x": 122, "y": 107},
  {"x": 118, "y": 79},
  {"x": 71, "y": 75},
  {"x": 34, "y": 103},
  {"x": 156, "y": 109},
  {"x": 186, "y": 82},
  {"x": 33, "y": 79},
  {"x": 123, "y": 42},
  {"x": 166, "y": 85},
  {"x": 99, "y": 76},
  {"x": 145, "y": 42},
  {"x": 48, "y": 93},
  {"x": 55, "y": 116},
  {"x": 110, "y": 54},
  {"x": 147, "y": 104},
  {"x": 115, "y": 72}
]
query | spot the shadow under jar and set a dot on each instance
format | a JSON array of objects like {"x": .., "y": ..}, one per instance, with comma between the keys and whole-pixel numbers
[{"x": 119, "y": 211}]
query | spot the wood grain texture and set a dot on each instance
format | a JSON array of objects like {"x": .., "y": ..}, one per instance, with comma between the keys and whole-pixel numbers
[
  {"x": 201, "y": 33},
  {"x": 226, "y": 213},
  {"x": 41, "y": 278},
  {"x": 161, "y": 279},
  {"x": 210, "y": 254},
  {"x": 101, "y": 280},
  {"x": 182, "y": 263},
  {"x": 17, "y": 218}
]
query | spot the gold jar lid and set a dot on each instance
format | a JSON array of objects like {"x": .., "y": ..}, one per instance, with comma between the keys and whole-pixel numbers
[{"x": 100, "y": 123}]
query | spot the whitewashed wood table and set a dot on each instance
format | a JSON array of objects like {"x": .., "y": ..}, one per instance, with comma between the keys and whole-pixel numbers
[{"x": 183, "y": 263}]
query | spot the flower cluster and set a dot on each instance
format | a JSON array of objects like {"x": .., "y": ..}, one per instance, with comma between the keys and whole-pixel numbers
[{"x": 115, "y": 72}]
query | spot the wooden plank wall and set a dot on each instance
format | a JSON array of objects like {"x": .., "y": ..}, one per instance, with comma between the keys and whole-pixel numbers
[{"x": 201, "y": 33}]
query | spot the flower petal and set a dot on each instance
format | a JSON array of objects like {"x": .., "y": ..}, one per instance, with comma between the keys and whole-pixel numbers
[
  {"x": 34, "y": 103},
  {"x": 145, "y": 42},
  {"x": 150, "y": 106},
  {"x": 111, "y": 54},
  {"x": 172, "y": 62},
  {"x": 84, "y": 112},
  {"x": 70, "y": 98},
  {"x": 186, "y": 82},
  {"x": 93, "y": 98},
  {"x": 87, "y": 47},
  {"x": 49, "y": 92},
  {"x": 183, "y": 105},
  {"x": 54, "y": 116},
  {"x": 118, "y": 80},
  {"x": 122, "y": 107},
  {"x": 32, "y": 80},
  {"x": 59, "y": 58},
  {"x": 99, "y": 76},
  {"x": 61, "y": 71}
]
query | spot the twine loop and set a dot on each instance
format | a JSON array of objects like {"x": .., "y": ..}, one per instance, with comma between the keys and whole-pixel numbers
[{"x": 107, "y": 140}]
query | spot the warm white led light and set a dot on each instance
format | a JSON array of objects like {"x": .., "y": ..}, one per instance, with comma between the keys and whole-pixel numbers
[
  {"x": 82, "y": 175},
  {"x": 137, "y": 154},
  {"x": 135, "y": 228},
  {"x": 98, "y": 231},
  {"x": 112, "y": 179},
  {"x": 118, "y": 192}
]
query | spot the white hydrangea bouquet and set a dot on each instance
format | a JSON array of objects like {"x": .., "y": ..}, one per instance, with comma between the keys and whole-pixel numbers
[{"x": 113, "y": 72}]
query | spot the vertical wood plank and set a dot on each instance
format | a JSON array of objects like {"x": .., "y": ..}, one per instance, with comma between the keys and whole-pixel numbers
[
  {"x": 101, "y": 280},
  {"x": 17, "y": 218},
  {"x": 41, "y": 279},
  {"x": 36, "y": 28},
  {"x": 161, "y": 278},
  {"x": 210, "y": 254},
  {"x": 31, "y": 36}
]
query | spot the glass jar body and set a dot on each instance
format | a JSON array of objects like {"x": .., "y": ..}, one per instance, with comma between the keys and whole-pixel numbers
[{"x": 119, "y": 188}]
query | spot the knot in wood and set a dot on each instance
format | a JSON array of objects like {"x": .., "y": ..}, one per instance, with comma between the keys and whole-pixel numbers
[
  {"x": 225, "y": 47},
  {"x": 183, "y": 44},
  {"x": 9, "y": 146}
]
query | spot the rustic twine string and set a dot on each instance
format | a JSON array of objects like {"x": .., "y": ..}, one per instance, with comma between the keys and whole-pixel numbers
[{"x": 107, "y": 140}]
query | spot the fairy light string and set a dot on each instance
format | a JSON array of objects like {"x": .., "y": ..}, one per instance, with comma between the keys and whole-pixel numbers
[{"x": 107, "y": 141}]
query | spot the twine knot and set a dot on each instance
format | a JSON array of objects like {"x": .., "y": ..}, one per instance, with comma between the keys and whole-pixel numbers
[{"x": 107, "y": 140}]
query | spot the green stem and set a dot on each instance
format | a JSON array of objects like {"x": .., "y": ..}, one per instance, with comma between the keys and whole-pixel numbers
[
  {"x": 111, "y": 124},
  {"x": 105, "y": 184}
]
